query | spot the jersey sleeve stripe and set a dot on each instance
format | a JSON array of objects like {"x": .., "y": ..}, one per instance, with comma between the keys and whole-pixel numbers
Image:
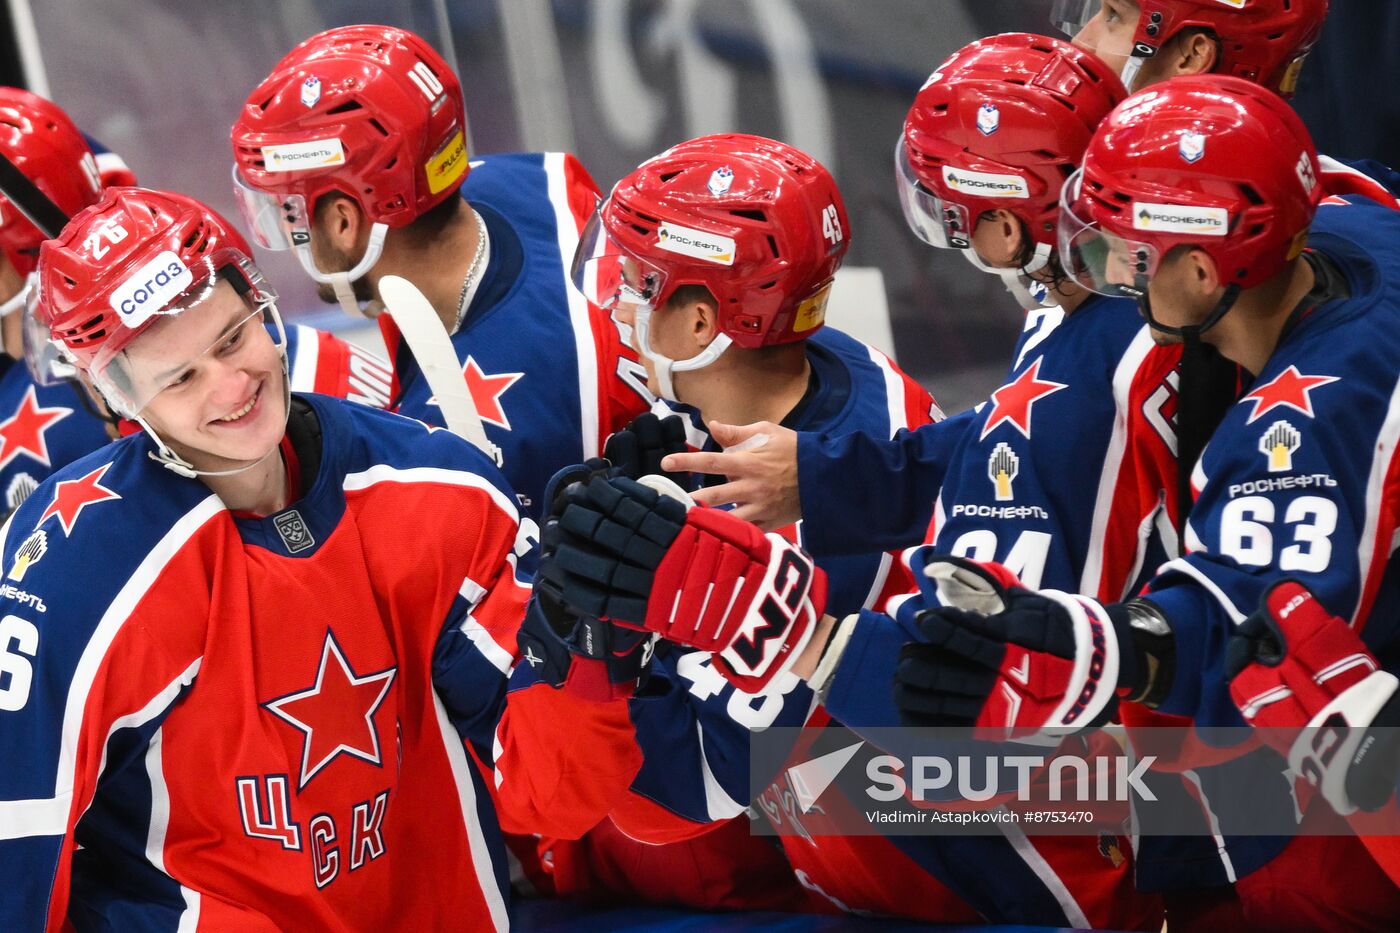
[
  {"x": 49, "y": 817},
  {"x": 303, "y": 363},
  {"x": 478, "y": 634},
  {"x": 1054, "y": 884},
  {"x": 1111, "y": 478},
  {"x": 160, "y": 821},
  {"x": 1182, "y": 565},
  {"x": 111, "y": 624},
  {"x": 1193, "y": 783},
  {"x": 482, "y": 862},
  {"x": 586, "y": 350},
  {"x": 718, "y": 804},
  {"x": 1340, "y": 178},
  {"x": 384, "y": 473},
  {"x": 1376, "y": 537},
  {"x": 894, "y": 390}
]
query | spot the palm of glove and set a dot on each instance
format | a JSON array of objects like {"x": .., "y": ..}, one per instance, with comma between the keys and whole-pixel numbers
[{"x": 1019, "y": 661}]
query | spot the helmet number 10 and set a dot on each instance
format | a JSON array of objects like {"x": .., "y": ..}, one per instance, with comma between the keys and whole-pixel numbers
[
  {"x": 831, "y": 225},
  {"x": 427, "y": 82}
]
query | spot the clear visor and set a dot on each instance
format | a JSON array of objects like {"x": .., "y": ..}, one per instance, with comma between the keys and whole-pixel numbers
[
  {"x": 935, "y": 221},
  {"x": 608, "y": 275},
  {"x": 225, "y": 311},
  {"x": 1070, "y": 16},
  {"x": 45, "y": 359},
  {"x": 1095, "y": 258},
  {"x": 275, "y": 222}
]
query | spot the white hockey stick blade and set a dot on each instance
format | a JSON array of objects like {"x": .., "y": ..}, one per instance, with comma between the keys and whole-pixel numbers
[{"x": 432, "y": 348}]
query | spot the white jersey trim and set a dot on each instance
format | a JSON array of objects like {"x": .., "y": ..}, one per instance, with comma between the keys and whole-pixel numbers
[
  {"x": 894, "y": 390},
  {"x": 160, "y": 820},
  {"x": 589, "y": 388},
  {"x": 383, "y": 473},
  {"x": 1053, "y": 882},
  {"x": 1091, "y": 579},
  {"x": 482, "y": 863},
  {"x": 303, "y": 365},
  {"x": 1386, "y": 447}
]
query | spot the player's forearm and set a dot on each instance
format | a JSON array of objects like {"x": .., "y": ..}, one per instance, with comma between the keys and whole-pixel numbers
[{"x": 861, "y": 493}]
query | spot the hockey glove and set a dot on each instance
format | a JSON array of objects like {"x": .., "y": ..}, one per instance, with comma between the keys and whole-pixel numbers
[
  {"x": 636, "y": 451},
  {"x": 589, "y": 657},
  {"x": 698, "y": 577},
  {"x": 1015, "y": 659},
  {"x": 1292, "y": 664}
]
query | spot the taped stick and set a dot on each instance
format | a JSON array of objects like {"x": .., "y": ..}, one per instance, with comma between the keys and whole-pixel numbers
[{"x": 432, "y": 348}]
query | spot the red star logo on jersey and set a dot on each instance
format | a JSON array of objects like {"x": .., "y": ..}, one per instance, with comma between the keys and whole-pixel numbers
[
  {"x": 23, "y": 432},
  {"x": 336, "y": 714},
  {"x": 1289, "y": 389},
  {"x": 486, "y": 393},
  {"x": 74, "y": 495},
  {"x": 1012, "y": 403}
]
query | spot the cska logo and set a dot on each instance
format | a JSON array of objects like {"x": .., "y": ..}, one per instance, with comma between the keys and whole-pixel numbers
[
  {"x": 988, "y": 119},
  {"x": 1192, "y": 146}
]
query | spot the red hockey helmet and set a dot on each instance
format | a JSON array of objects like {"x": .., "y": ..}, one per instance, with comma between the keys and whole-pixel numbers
[
  {"x": 1209, "y": 161},
  {"x": 757, "y": 222},
  {"x": 43, "y": 143},
  {"x": 134, "y": 258},
  {"x": 1260, "y": 40},
  {"x": 371, "y": 112},
  {"x": 1000, "y": 124}
]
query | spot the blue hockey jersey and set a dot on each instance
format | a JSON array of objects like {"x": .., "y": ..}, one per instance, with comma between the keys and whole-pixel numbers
[{"x": 547, "y": 370}]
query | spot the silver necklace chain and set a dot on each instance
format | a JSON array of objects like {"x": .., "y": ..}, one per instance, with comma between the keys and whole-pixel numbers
[{"x": 474, "y": 271}]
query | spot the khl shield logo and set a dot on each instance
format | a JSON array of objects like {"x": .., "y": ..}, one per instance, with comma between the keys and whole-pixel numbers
[
  {"x": 988, "y": 119},
  {"x": 292, "y": 528},
  {"x": 1192, "y": 146}
]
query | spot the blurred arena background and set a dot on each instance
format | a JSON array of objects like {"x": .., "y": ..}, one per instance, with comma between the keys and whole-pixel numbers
[{"x": 616, "y": 81}]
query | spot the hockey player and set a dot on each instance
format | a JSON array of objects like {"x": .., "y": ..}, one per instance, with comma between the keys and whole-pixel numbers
[
  {"x": 1206, "y": 222},
  {"x": 42, "y": 425},
  {"x": 717, "y": 257},
  {"x": 281, "y": 615},
  {"x": 962, "y": 879},
  {"x": 353, "y": 153},
  {"x": 49, "y": 419},
  {"x": 1267, "y": 41}
]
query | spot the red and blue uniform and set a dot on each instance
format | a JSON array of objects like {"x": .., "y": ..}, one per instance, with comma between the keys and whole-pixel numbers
[{"x": 217, "y": 721}]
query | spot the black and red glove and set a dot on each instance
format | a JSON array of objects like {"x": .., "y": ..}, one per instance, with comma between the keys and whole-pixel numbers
[
  {"x": 1301, "y": 674},
  {"x": 698, "y": 577},
  {"x": 995, "y": 654}
]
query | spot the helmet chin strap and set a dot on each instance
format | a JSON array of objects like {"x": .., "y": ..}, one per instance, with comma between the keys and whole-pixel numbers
[
  {"x": 343, "y": 282},
  {"x": 664, "y": 365},
  {"x": 1130, "y": 70}
]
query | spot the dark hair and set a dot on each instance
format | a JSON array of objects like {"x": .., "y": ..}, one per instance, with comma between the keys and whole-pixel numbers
[
  {"x": 687, "y": 294},
  {"x": 427, "y": 227}
]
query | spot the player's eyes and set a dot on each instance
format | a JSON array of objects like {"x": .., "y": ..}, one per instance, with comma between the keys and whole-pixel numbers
[
  {"x": 232, "y": 341},
  {"x": 183, "y": 379}
]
